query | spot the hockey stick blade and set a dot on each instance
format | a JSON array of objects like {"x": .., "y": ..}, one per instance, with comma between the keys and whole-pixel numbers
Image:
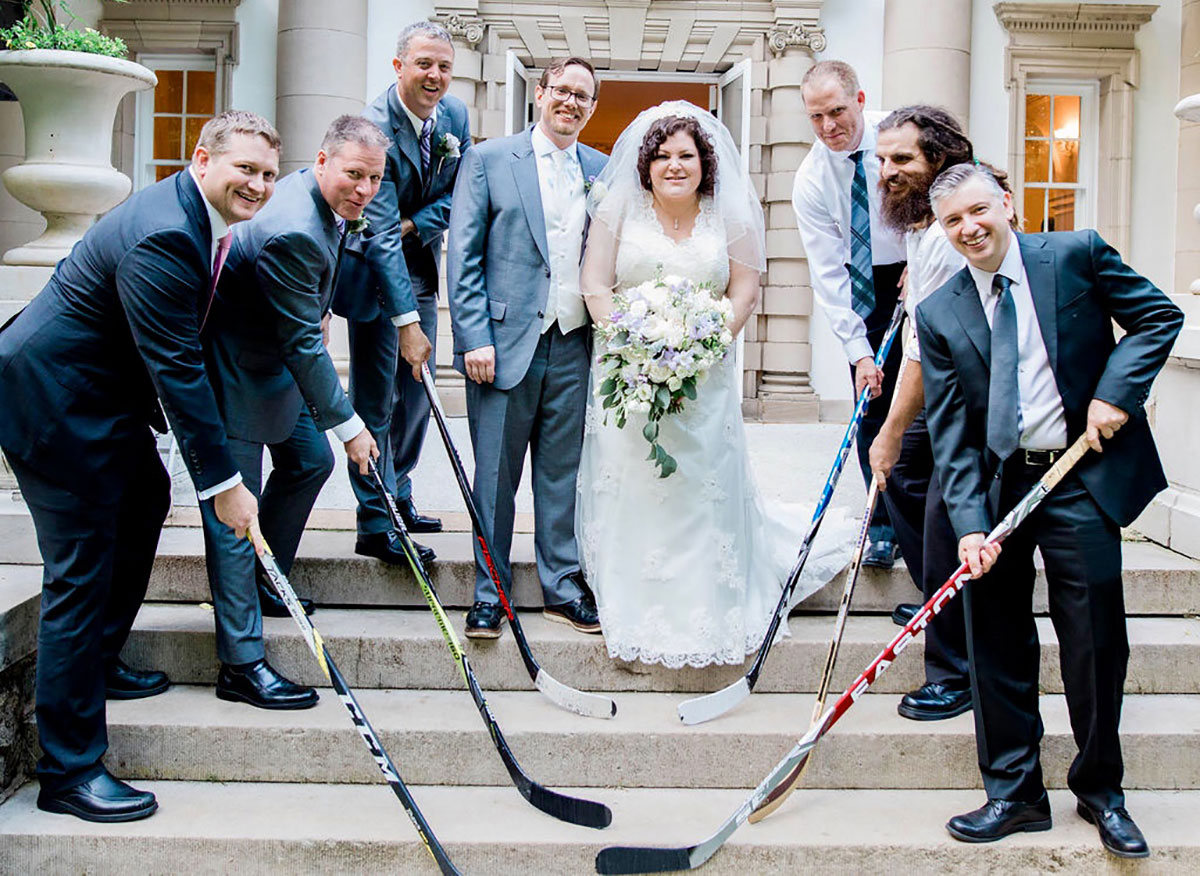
[
  {"x": 580, "y": 702},
  {"x": 630, "y": 859},
  {"x": 709, "y": 706},
  {"x": 589, "y": 705}
]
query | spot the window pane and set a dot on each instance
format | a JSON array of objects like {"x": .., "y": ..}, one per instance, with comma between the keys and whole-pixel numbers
[
  {"x": 1037, "y": 115},
  {"x": 1062, "y": 210},
  {"x": 1066, "y": 161},
  {"x": 168, "y": 94},
  {"x": 1066, "y": 116},
  {"x": 193, "y": 134},
  {"x": 201, "y": 92},
  {"x": 1035, "y": 212},
  {"x": 166, "y": 137},
  {"x": 1037, "y": 161},
  {"x": 164, "y": 170}
]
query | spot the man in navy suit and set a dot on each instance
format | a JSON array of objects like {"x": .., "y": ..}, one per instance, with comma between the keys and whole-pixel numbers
[
  {"x": 83, "y": 369},
  {"x": 277, "y": 387},
  {"x": 390, "y": 277},
  {"x": 1019, "y": 359},
  {"x": 521, "y": 336}
]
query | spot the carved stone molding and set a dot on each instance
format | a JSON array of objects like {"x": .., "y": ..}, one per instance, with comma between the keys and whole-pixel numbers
[
  {"x": 469, "y": 30},
  {"x": 783, "y": 37},
  {"x": 1116, "y": 24}
]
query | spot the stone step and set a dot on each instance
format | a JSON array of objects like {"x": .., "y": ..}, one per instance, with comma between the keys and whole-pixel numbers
[
  {"x": 250, "y": 829},
  {"x": 437, "y": 738},
  {"x": 1157, "y": 581},
  {"x": 394, "y": 648}
]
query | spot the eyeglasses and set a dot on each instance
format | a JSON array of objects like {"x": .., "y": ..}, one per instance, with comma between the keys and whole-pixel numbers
[{"x": 564, "y": 94}]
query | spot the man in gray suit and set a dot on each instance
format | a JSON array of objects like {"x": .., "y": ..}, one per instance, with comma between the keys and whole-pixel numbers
[
  {"x": 277, "y": 387},
  {"x": 390, "y": 278},
  {"x": 517, "y": 229}
]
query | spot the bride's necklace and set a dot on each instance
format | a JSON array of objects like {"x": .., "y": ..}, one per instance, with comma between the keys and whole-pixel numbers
[{"x": 662, "y": 211}]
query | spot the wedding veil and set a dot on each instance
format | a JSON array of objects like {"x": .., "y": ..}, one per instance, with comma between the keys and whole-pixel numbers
[{"x": 617, "y": 193}]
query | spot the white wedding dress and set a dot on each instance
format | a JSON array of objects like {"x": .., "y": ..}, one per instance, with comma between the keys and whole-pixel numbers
[{"x": 687, "y": 569}]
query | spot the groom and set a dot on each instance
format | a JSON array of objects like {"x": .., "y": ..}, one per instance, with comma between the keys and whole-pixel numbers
[{"x": 517, "y": 228}]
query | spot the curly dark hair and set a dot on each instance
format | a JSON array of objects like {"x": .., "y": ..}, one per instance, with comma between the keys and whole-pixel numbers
[
  {"x": 940, "y": 136},
  {"x": 665, "y": 128}
]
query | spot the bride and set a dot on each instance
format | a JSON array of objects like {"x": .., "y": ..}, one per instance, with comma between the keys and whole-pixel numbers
[{"x": 686, "y": 569}]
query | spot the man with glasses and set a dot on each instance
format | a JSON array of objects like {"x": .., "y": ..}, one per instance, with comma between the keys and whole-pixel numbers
[
  {"x": 517, "y": 231},
  {"x": 388, "y": 284}
]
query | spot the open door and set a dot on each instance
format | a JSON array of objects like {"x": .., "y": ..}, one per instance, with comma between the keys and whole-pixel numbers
[
  {"x": 518, "y": 94},
  {"x": 733, "y": 109}
]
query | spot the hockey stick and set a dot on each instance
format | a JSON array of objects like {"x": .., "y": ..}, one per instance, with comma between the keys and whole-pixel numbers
[
  {"x": 626, "y": 859},
  {"x": 705, "y": 708},
  {"x": 587, "y": 813},
  {"x": 316, "y": 644},
  {"x": 580, "y": 702},
  {"x": 775, "y": 799}
]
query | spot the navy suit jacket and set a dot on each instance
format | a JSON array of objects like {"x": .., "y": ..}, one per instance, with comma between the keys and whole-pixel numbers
[
  {"x": 1080, "y": 286},
  {"x": 263, "y": 340},
  {"x": 374, "y": 278},
  {"x": 117, "y": 325},
  {"x": 498, "y": 266}
]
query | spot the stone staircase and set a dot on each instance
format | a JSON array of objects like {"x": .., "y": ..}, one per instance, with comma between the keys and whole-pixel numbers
[{"x": 247, "y": 791}]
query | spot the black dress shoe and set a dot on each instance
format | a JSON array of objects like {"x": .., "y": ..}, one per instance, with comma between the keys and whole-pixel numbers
[
  {"x": 1118, "y": 833},
  {"x": 260, "y": 685},
  {"x": 386, "y": 546},
  {"x": 904, "y": 612},
  {"x": 414, "y": 520},
  {"x": 998, "y": 818},
  {"x": 483, "y": 620},
  {"x": 580, "y": 613},
  {"x": 125, "y": 683},
  {"x": 269, "y": 601},
  {"x": 934, "y": 702},
  {"x": 881, "y": 554},
  {"x": 100, "y": 799}
]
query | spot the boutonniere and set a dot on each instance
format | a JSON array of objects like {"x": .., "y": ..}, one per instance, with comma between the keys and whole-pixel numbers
[
  {"x": 357, "y": 226},
  {"x": 595, "y": 189},
  {"x": 588, "y": 183},
  {"x": 447, "y": 147}
]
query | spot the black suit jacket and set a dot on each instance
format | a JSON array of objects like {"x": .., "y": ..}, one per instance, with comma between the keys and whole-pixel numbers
[
  {"x": 117, "y": 325},
  {"x": 265, "y": 352},
  {"x": 1080, "y": 286}
]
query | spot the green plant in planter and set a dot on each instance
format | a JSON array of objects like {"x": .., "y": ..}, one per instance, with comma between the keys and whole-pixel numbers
[{"x": 31, "y": 33}]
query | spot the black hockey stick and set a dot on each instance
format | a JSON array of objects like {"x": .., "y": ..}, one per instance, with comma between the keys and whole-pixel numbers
[
  {"x": 709, "y": 706},
  {"x": 580, "y": 702},
  {"x": 628, "y": 859},
  {"x": 317, "y": 645},
  {"x": 575, "y": 810}
]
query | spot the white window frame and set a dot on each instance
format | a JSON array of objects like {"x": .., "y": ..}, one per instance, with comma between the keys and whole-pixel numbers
[
  {"x": 1087, "y": 185},
  {"x": 143, "y": 149}
]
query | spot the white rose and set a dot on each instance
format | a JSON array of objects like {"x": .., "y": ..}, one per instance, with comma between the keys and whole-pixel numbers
[
  {"x": 657, "y": 297},
  {"x": 674, "y": 384},
  {"x": 660, "y": 373},
  {"x": 644, "y": 393},
  {"x": 654, "y": 328},
  {"x": 638, "y": 308}
]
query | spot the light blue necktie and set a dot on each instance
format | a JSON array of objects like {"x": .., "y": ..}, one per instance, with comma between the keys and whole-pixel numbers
[{"x": 862, "y": 282}]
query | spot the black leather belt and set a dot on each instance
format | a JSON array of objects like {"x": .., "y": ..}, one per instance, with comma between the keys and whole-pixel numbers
[{"x": 1039, "y": 458}]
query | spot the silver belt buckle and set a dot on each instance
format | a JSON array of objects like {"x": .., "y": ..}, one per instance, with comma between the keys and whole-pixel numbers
[{"x": 1041, "y": 458}]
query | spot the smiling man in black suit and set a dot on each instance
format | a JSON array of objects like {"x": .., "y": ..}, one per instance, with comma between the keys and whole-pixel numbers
[
  {"x": 1019, "y": 359},
  {"x": 83, "y": 369}
]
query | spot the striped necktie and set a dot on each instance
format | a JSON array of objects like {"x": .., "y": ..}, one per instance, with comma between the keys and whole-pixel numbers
[
  {"x": 223, "y": 245},
  {"x": 862, "y": 283},
  {"x": 426, "y": 143},
  {"x": 1003, "y": 427}
]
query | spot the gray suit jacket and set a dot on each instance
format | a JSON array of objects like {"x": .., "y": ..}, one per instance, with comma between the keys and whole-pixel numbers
[
  {"x": 375, "y": 277},
  {"x": 263, "y": 339},
  {"x": 498, "y": 271}
]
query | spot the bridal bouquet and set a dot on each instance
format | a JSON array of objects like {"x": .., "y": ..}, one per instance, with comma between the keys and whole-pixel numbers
[{"x": 661, "y": 339}]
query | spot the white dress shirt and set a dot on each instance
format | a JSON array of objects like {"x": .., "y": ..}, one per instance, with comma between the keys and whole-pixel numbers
[
  {"x": 931, "y": 262},
  {"x": 821, "y": 199},
  {"x": 1042, "y": 422},
  {"x": 218, "y": 228},
  {"x": 560, "y": 180}
]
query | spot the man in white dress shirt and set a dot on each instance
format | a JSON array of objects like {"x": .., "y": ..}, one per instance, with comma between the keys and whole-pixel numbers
[
  {"x": 914, "y": 144},
  {"x": 854, "y": 259},
  {"x": 521, "y": 336}
]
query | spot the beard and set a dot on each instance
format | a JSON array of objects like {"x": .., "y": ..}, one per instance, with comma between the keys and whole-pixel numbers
[{"x": 907, "y": 206}]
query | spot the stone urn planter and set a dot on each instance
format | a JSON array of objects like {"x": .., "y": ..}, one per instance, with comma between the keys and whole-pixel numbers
[{"x": 68, "y": 103}]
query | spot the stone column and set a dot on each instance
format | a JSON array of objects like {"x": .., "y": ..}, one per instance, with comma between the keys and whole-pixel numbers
[
  {"x": 1173, "y": 519},
  {"x": 785, "y": 393},
  {"x": 321, "y": 72},
  {"x": 927, "y": 54}
]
